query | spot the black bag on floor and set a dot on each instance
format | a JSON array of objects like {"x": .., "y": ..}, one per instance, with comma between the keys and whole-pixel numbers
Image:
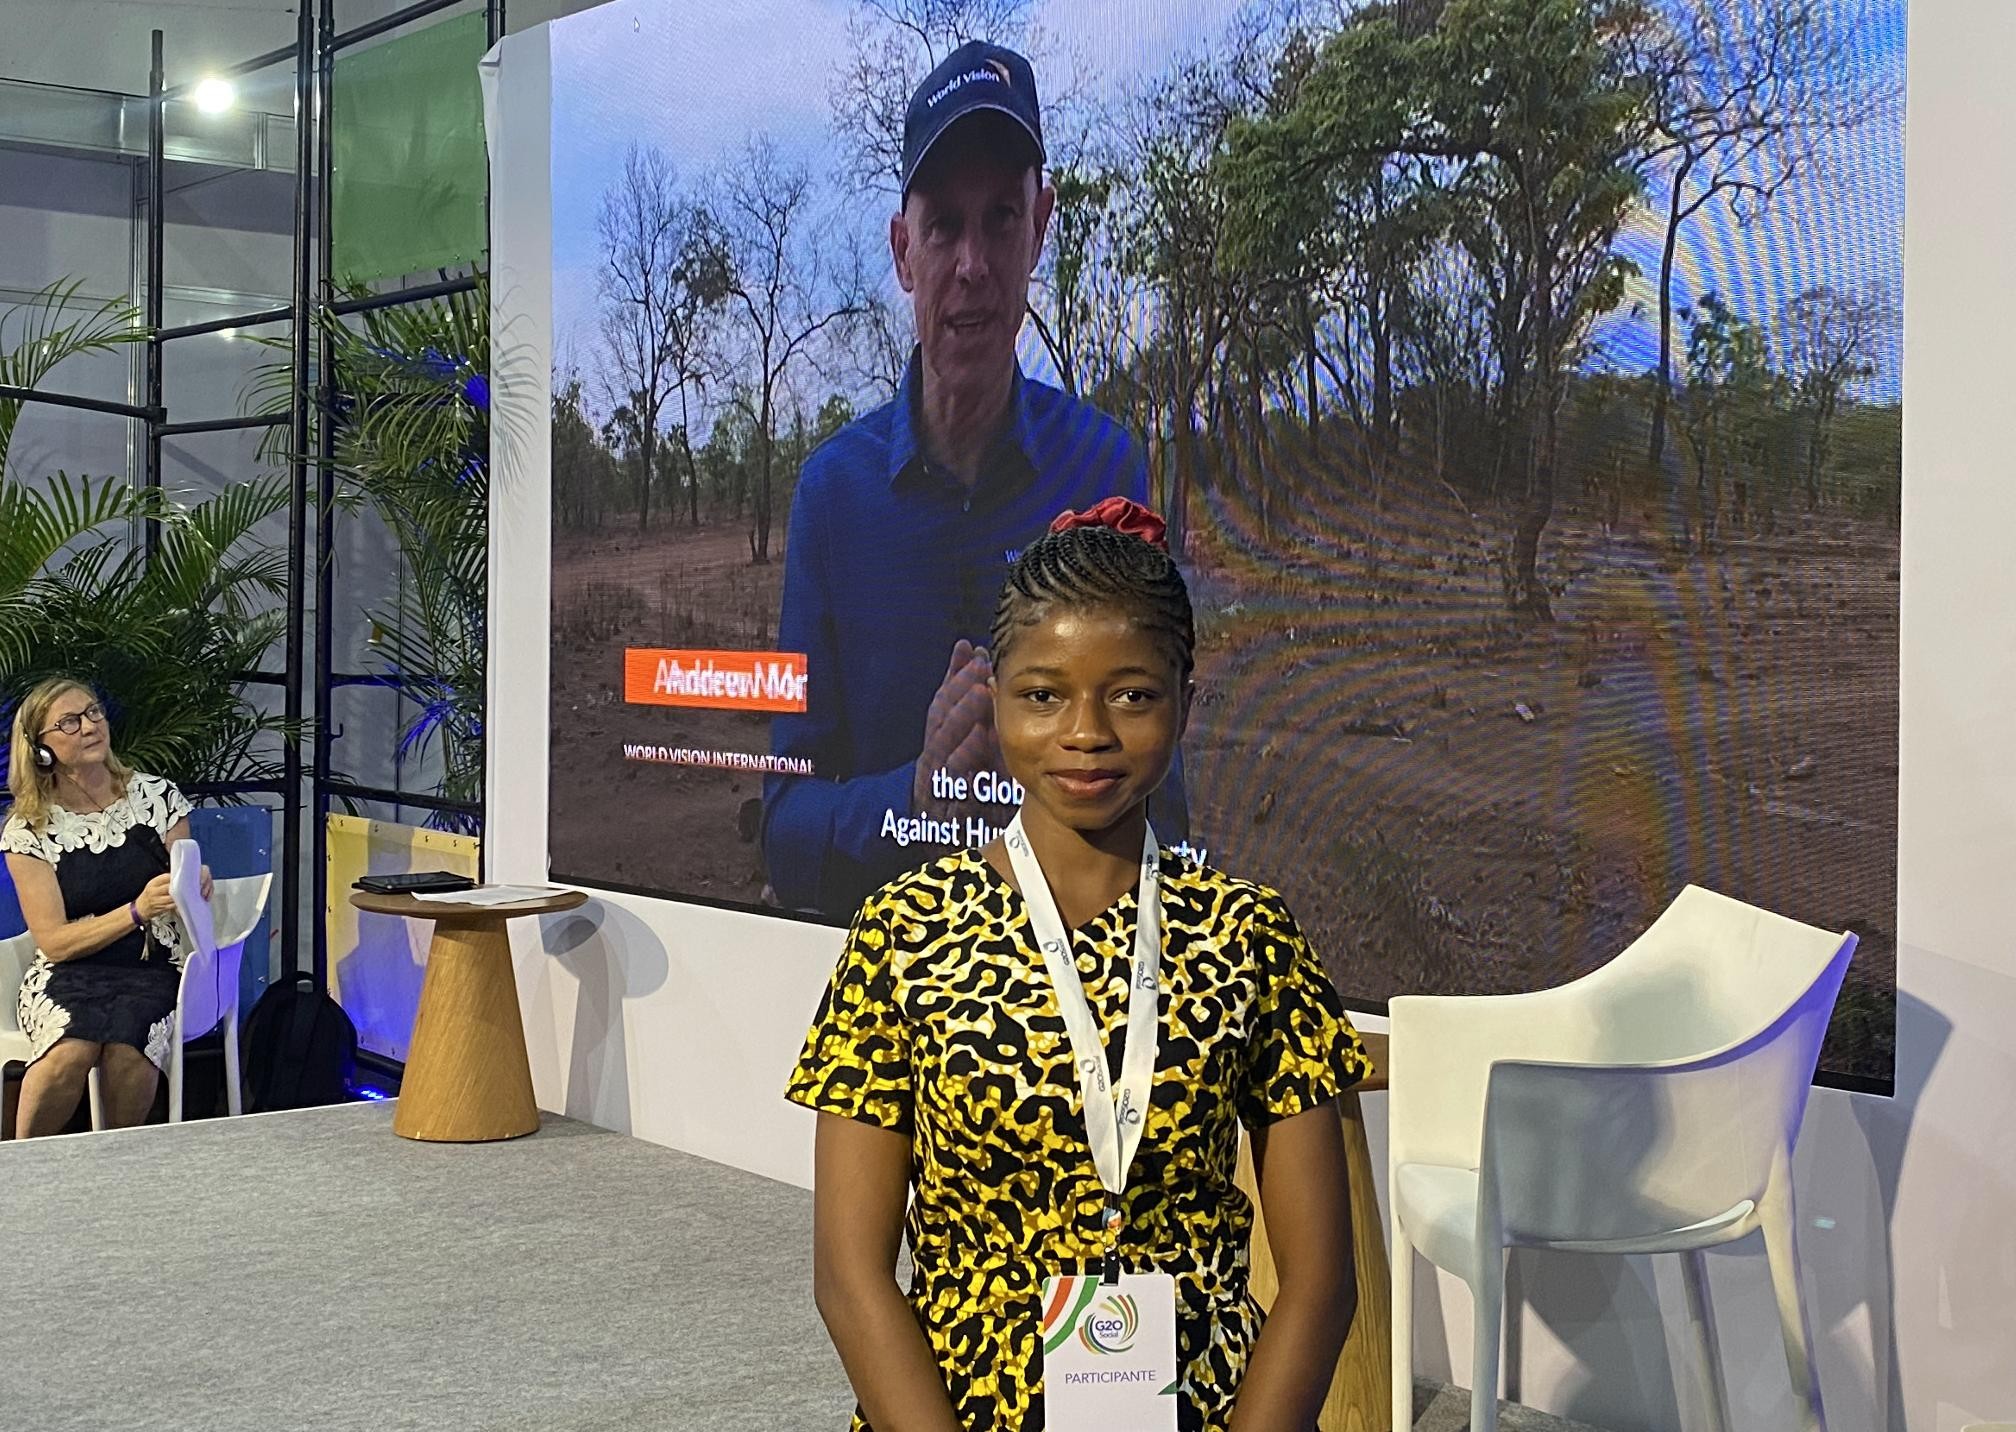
[{"x": 300, "y": 1050}]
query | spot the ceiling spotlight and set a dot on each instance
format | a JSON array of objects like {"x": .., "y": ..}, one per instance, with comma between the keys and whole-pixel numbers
[{"x": 214, "y": 95}]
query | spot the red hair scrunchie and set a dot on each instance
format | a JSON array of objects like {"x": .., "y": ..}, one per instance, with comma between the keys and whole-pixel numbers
[{"x": 1122, "y": 515}]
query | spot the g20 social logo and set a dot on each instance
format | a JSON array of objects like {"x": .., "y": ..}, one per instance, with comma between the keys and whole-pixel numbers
[
  {"x": 1074, "y": 1306},
  {"x": 1111, "y": 1327}
]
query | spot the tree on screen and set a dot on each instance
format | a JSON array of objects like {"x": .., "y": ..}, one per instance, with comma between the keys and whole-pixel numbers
[
  {"x": 1105, "y": 340},
  {"x": 1174, "y": 241},
  {"x": 1083, "y": 197},
  {"x": 659, "y": 295},
  {"x": 1829, "y": 339},
  {"x": 892, "y": 44},
  {"x": 584, "y": 470},
  {"x": 1744, "y": 100},
  {"x": 873, "y": 346},
  {"x": 1444, "y": 357},
  {"x": 623, "y": 436},
  {"x": 781, "y": 299},
  {"x": 1726, "y": 410},
  {"x": 1523, "y": 119}
]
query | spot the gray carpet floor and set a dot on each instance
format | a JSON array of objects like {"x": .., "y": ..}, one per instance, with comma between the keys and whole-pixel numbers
[
  {"x": 313, "y": 1271},
  {"x": 1441, "y": 1408}
]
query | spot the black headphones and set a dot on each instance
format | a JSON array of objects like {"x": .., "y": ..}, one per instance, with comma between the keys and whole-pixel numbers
[{"x": 45, "y": 758}]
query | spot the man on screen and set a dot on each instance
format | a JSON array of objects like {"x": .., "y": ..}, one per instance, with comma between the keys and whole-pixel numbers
[{"x": 905, "y": 522}]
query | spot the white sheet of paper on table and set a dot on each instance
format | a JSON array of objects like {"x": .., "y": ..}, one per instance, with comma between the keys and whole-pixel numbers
[{"x": 491, "y": 895}]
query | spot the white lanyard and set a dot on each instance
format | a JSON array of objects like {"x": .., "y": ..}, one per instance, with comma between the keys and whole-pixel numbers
[{"x": 1113, "y": 1121}]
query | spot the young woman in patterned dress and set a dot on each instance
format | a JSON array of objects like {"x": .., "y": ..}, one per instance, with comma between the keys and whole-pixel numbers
[
  {"x": 945, "y": 1080},
  {"x": 87, "y": 846}
]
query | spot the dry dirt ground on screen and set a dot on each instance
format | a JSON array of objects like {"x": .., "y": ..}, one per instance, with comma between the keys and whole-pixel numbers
[
  {"x": 681, "y": 828},
  {"x": 1727, "y": 719},
  {"x": 1454, "y": 801}
]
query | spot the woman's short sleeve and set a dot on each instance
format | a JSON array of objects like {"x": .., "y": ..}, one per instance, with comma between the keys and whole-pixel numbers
[
  {"x": 856, "y": 1060},
  {"x": 17, "y": 838},
  {"x": 1304, "y": 1051},
  {"x": 174, "y": 806}
]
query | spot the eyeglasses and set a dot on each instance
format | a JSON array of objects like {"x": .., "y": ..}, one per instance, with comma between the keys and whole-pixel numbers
[{"x": 71, "y": 725}]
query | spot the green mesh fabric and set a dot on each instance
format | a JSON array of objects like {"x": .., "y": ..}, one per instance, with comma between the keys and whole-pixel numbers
[{"x": 407, "y": 151}]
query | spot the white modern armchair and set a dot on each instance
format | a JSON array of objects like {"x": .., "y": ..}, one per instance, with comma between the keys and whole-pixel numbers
[
  {"x": 17, "y": 953},
  {"x": 208, "y": 997},
  {"x": 1649, "y": 1107}
]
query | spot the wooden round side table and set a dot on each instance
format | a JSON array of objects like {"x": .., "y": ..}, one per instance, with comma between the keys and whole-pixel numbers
[{"x": 467, "y": 1078}]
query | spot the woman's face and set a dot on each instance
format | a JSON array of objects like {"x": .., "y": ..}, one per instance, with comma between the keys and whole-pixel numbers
[
  {"x": 90, "y": 744},
  {"x": 1088, "y": 709}
]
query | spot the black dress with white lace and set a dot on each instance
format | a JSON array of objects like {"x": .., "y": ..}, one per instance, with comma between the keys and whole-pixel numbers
[{"x": 124, "y": 993}]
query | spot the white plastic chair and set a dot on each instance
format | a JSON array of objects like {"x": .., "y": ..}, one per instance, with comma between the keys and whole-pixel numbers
[
  {"x": 210, "y": 971},
  {"x": 1649, "y": 1107},
  {"x": 17, "y": 953}
]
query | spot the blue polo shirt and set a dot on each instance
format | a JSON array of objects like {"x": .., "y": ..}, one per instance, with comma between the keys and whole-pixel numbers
[{"x": 888, "y": 563}]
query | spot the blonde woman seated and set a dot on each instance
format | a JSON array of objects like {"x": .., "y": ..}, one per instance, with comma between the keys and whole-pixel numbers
[{"x": 87, "y": 844}]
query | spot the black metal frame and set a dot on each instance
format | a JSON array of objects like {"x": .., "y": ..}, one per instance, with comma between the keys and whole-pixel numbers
[
  {"x": 68, "y": 400},
  {"x": 157, "y": 228},
  {"x": 419, "y": 293},
  {"x": 326, "y": 782},
  {"x": 313, "y": 52}
]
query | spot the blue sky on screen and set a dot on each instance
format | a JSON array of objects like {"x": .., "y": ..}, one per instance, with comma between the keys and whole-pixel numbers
[{"x": 699, "y": 80}]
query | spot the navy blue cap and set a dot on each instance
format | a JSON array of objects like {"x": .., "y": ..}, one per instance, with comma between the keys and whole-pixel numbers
[{"x": 975, "y": 77}]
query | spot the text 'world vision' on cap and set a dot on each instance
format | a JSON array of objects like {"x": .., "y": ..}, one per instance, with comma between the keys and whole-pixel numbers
[{"x": 976, "y": 76}]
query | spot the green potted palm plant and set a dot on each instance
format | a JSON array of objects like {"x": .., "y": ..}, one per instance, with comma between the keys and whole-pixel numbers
[
  {"x": 411, "y": 420},
  {"x": 166, "y": 638}
]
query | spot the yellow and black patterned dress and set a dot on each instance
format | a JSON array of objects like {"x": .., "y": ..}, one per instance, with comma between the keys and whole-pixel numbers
[{"x": 941, "y": 1023}]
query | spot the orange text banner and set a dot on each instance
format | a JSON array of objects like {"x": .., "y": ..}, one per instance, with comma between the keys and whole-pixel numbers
[{"x": 714, "y": 680}]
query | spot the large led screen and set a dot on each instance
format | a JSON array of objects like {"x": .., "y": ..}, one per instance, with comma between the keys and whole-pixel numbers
[{"x": 1520, "y": 382}]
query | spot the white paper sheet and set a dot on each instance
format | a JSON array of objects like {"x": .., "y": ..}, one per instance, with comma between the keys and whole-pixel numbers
[{"x": 491, "y": 894}]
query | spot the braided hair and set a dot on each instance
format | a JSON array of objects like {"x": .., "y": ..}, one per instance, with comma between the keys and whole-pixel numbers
[{"x": 1099, "y": 567}]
